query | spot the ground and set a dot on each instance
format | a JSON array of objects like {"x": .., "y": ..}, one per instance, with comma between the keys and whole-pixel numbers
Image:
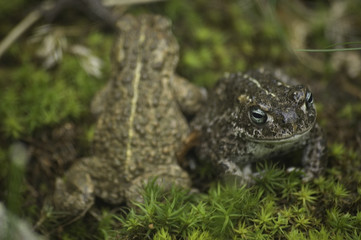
[{"x": 51, "y": 73}]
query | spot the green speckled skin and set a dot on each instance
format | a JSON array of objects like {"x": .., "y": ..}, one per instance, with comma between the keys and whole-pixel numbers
[{"x": 140, "y": 125}]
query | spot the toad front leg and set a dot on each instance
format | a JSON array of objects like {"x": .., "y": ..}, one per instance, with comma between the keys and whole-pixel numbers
[
  {"x": 314, "y": 155},
  {"x": 189, "y": 97}
]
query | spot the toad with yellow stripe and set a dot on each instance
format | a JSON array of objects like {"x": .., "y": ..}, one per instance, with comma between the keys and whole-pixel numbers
[{"x": 140, "y": 123}]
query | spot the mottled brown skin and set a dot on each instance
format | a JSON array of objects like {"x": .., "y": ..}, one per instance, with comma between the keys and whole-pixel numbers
[
  {"x": 140, "y": 126},
  {"x": 256, "y": 116}
]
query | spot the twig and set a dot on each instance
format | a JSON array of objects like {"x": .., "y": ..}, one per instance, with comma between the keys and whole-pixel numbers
[
  {"x": 35, "y": 15},
  {"x": 126, "y": 2},
  {"x": 19, "y": 29}
]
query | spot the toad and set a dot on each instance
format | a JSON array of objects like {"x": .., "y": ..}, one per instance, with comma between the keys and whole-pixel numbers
[
  {"x": 256, "y": 116},
  {"x": 140, "y": 122}
]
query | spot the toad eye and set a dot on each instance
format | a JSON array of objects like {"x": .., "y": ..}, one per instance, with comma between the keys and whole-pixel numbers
[
  {"x": 309, "y": 99},
  {"x": 257, "y": 115}
]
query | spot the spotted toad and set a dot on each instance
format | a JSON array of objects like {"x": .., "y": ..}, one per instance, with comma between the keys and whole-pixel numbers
[
  {"x": 140, "y": 124},
  {"x": 255, "y": 116}
]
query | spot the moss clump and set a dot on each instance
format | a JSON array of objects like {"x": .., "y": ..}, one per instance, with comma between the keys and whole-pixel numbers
[
  {"x": 33, "y": 97},
  {"x": 286, "y": 208},
  {"x": 177, "y": 213}
]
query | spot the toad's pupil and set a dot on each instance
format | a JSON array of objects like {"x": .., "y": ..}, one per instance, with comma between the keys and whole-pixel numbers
[{"x": 257, "y": 115}]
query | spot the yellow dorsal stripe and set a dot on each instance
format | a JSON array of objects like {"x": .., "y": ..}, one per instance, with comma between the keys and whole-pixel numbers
[{"x": 133, "y": 107}]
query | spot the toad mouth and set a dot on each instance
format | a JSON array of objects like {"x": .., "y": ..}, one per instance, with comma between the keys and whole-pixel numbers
[{"x": 291, "y": 138}]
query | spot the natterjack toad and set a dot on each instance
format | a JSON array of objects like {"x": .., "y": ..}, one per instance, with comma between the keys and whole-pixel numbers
[
  {"x": 255, "y": 116},
  {"x": 140, "y": 125}
]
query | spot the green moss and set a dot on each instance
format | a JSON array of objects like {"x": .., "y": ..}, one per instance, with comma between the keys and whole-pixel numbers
[
  {"x": 178, "y": 214},
  {"x": 343, "y": 222},
  {"x": 306, "y": 196},
  {"x": 34, "y": 98},
  {"x": 258, "y": 212},
  {"x": 223, "y": 39}
]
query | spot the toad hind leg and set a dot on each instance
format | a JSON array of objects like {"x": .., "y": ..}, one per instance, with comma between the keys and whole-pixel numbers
[
  {"x": 165, "y": 176},
  {"x": 74, "y": 193}
]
